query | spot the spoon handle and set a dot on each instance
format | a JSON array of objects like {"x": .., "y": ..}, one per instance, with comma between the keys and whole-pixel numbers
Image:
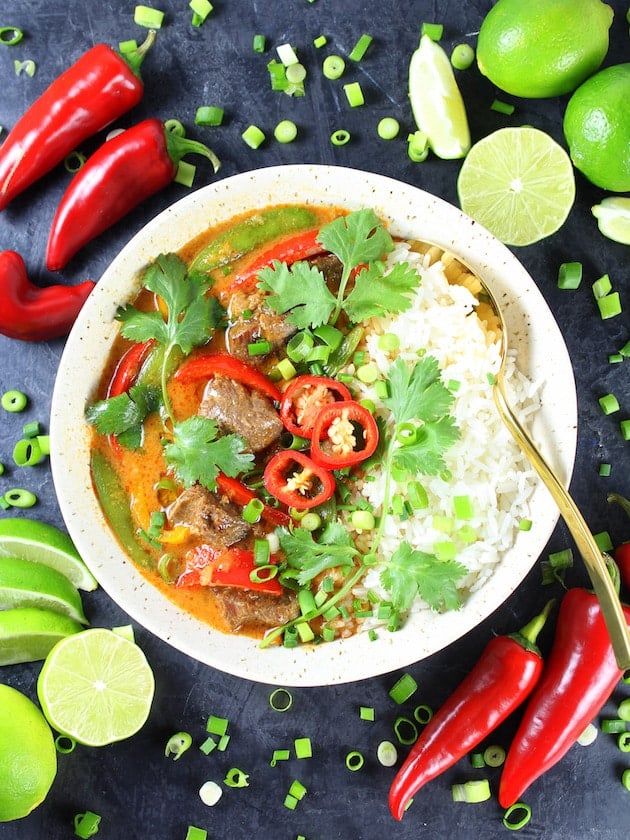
[{"x": 591, "y": 554}]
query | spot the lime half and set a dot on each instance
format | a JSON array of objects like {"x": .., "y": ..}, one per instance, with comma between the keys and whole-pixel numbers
[
  {"x": 43, "y": 543},
  {"x": 518, "y": 183},
  {"x": 96, "y": 687},
  {"x": 613, "y": 218},
  {"x": 28, "y": 634},
  {"x": 27, "y": 584},
  {"x": 436, "y": 102}
]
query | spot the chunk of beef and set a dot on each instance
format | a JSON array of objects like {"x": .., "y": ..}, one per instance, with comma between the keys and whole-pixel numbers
[
  {"x": 331, "y": 267},
  {"x": 240, "y": 607},
  {"x": 250, "y": 321},
  {"x": 210, "y": 517},
  {"x": 242, "y": 411}
]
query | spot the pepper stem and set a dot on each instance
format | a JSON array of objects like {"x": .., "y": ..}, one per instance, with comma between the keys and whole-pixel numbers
[
  {"x": 178, "y": 146},
  {"x": 528, "y": 634},
  {"x": 134, "y": 58}
]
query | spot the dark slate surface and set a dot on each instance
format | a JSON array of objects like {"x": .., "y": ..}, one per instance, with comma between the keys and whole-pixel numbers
[{"x": 137, "y": 791}]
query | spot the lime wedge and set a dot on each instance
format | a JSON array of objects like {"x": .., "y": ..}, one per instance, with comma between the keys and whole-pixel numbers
[
  {"x": 28, "y": 634},
  {"x": 436, "y": 102},
  {"x": 613, "y": 218},
  {"x": 43, "y": 543},
  {"x": 518, "y": 183},
  {"x": 27, "y": 584},
  {"x": 96, "y": 687}
]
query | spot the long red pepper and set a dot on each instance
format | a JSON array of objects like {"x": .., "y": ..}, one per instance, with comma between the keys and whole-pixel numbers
[
  {"x": 97, "y": 89},
  {"x": 505, "y": 674},
  {"x": 34, "y": 313},
  {"x": 579, "y": 677},
  {"x": 121, "y": 174}
]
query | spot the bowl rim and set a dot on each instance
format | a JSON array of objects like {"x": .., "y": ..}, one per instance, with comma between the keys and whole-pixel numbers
[{"x": 407, "y": 209}]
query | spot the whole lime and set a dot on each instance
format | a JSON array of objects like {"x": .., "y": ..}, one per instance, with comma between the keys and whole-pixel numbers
[
  {"x": 537, "y": 49},
  {"x": 28, "y": 758},
  {"x": 597, "y": 128}
]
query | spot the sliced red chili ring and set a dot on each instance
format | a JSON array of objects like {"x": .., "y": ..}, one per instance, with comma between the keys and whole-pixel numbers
[
  {"x": 314, "y": 392},
  {"x": 356, "y": 435},
  {"x": 209, "y": 566},
  {"x": 297, "y": 481},
  {"x": 210, "y": 364}
]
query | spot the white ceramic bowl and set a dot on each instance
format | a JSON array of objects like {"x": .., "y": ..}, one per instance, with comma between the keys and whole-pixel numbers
[{"x": 411, "y": 213}]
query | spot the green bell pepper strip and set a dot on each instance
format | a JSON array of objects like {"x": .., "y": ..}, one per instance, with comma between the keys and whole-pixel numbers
[
  {"x": 115, "y": 505},
  {"x": 252, "y": 232}
]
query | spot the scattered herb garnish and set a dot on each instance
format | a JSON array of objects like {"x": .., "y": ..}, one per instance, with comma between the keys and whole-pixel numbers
[{"x": 124, "y": 415}]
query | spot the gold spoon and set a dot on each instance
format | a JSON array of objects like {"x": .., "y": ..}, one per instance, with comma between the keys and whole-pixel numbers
[{"x": 594, "y": 560}]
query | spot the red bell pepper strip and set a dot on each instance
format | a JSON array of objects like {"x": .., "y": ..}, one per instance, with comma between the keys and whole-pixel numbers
[
  {"x": 334, "y": 455},
  {"x": 299, "y": 247},
  {"x": 208, "y": 566},
  {"x": 579, "y": 677},
  {"x": 505, "y": 674},
  {"x": 128, "y": 368},
  {"x": 303, "y": 398},
  {"x": 97, "y": 89},
  {"x": 121, "y": 174},
  {"x": 242, "y": 495},
  {"x": 297, "y": 481},
  {"x": 211, "y": 364},
  {"x": 34, "y": 313}
]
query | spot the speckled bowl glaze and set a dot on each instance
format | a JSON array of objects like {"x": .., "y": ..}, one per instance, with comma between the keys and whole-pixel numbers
[{"x": 410, "y": 213}]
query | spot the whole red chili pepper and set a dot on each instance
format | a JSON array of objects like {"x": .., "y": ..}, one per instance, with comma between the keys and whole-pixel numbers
[
  {"x": 121, "y": 174},
  {"x": 97, "y": 89},
  {"x": 579, "y": 677},
  {"x": 34, "y": 313},
  {"x": 622, "y": 552},
  {"x": 505, "y": 674}
]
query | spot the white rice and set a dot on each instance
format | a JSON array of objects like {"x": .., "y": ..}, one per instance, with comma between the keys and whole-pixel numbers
[{"x": 485, "y": 464}]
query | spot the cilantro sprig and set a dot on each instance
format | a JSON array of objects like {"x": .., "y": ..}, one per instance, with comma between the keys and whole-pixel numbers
[
  {"x": 359, "y": 240},
  {"x": 124, "y": 415}
]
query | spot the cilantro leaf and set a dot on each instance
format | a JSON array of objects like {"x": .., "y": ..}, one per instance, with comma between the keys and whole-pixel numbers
[
  {"x": 419, "y": 393},
  {"x": 356, "y": 238},
  {"x": 376, "y": 293},
  {"x": 410, "y": 572},
  {"x": 196, "y": 454},
  {"x": 311, "y": 557},
  {"x": 424, "y": 457},
  {"x": 124, "y": 414},
  {"x": 300, "y": 290}
]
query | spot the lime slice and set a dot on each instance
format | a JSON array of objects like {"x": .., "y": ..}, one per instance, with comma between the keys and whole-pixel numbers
[
  {"x": 28, "y": 634},
  {"x": 43, "y": 543},
  {"x": 613, "y": 218},
  {"x": 96, "y": 687},
  {"x": 436, "y": 102},
  {"x": 518, "y": 183},
  {"x": 27, "y": 584}
]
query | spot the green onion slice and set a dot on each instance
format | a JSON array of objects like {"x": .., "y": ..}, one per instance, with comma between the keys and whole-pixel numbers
[
  {"x": 405, "y": 730},
  {"x": 475, "y": 790},
  {"x": 403, "y": 689},
  {"x": 354, "y": 760},
  {"x": 10, "y": 35},
  {"x": 86, "y": 824},
  {"x": 14, "y": 401},
  {"x": 517, "y": 816},
  {"x": 177, "y": 745},
  {"x": 387, "y": 754},
  {"x": 333, "y": 67},
  {"x": 281, "y": 700},
  {"x": 148, "y": 17},
  {"x": 19, "y": 498}
]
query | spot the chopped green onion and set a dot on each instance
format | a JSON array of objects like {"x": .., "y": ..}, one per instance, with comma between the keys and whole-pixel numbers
[
  {"x": 200, "y": 9},
  {"x": 279, "y": 755},
  {"x": 320, "y": 41},
  {"x": 588, "y": 736},
  {"x": 615, "y": 358},
  {"x": 462, "y": 56},
  {"x": 625, "y": 429},
  {"x": 388, "y": 342},
  {"x": 467, "y": 534},
  {"x": 3, "y": 503},
  {"x": 74, "y": 161},
  {"x": 311, "y": 521},
  {"x": 124, "y": 47},
  {"x": 32, "y": 429},
  {"x": 333, "y": 67},
  {"x": 433, "y": 30},
  {"x": 285, "y": 132},
  {"x": 236, "y": 778},
  {"x": 387, "y": 754},
  {"x": 418, "y": 146},
  {"x": 362, "y": 520},
  {"x": 623, "y": 709},
  {"x": 515, "y": 823},
  {"x": 28, "y": 67},
  {"x": 602, "y": 286},
  {"x": 477, "y": 760},
  {"x": 194, "y": 833},
  {"x": 406, "y": 434},
  {"x": 330, "y": 335},
  {"x": 340, "y": 137},
  {"x": 423, "y": 714},
  {"x": 354, "y": 94},
  {"x": 367, "y": 713},
  {"x": 259, "y": 348},
  {"x": 403, "y": 725},
  {"x": 86, "y": 824},
  {"x": 209, "y": 115},
  {"x": 609, "y": 306},
  {"x": 367, "y": 374},
  {"x": 177, "y": 745},
  {"x": 445, "y": 550},
  {"x": 261, "y": 574},
  {"x": 19, "y": 498},
  {"x": 570, "y": 275},
  {"x": 262, "y": 551},
  {"x": 217, "y": 725},
  {"x": 210, "y": 793},
  {"x": 252, "y": 511},
  {"x": 290, "y": 802},
  {"x": 475, "y": 790},
  {"x": 360, "y": 48},
  {"x": 286, "y": 369},
  {"x": 148, "y": 17},
  {"x": 502, "y": 107},
  {"x": 494, "y": 756},
  {"x": 27, "y": 453},
  {"x": 185, "y": 174},
  {"x": 463, "y": 507},
  {"x": 224, "y": 740},
  {"x": 303, "y": 748},
  {"x": 287, "y": 55},
  {"x": 208, "y": 746},
  {"x": 604, "y": 470},
  {"x": 388, "y": 128},
  {"x": 525, "y": 525},
  {"x": 603, "y": 541},
  {"x": 64, "y": 744},
  {"x": 259, "y": 43},
  {"x": 354, "y": 760},
  {"x": 417, "y": 496},
  {"x": 281, "y": 700},
  {"x": 297, "y": 789},
  {"x": 14, "y": 401},
  {"x": 623, "y": 742},
  {"x": 295, "y": 73},
  {"x": 613, "y": 726},
  {"x": 253, "y": 136},
  {"x": 625, "y": 350},
  {"x": 625, "y": 779},
  {"x": 10, "y": 35}
]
